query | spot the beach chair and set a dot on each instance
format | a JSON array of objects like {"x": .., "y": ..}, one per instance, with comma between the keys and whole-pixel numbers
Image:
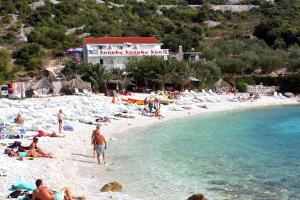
[
  {"x": 281, "y": 96},
  {"x": 77, "y": 92},
  {"x": 210, "y": 92},
  {"x": 204, "y": 93},
  {"x": 37, "y": 95},
  {"x": 86, "y": 92}
]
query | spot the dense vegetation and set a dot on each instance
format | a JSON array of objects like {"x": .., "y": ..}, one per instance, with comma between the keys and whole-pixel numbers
[{"x": 228, "y": 48}]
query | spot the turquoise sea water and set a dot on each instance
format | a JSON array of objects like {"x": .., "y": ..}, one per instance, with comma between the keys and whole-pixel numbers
[{"x": 252, "y": 154}]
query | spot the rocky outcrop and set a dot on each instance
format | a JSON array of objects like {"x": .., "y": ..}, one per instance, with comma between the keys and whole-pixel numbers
[
  {"x": 198, "y": 196},
  {"x": 112, "y": 187}
]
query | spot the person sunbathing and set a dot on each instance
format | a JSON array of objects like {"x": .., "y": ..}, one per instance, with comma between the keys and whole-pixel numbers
[
  {"x": 53, "y": 134},
  {"x": 103, "y": 119},
  {"x": 34, "y": 146},
  {"x": 123, "y": 116},
  {"x": 44, "y": 193},
  {"x": 20, "y": 120},
  {"x": 22, "y": 154},
  {"x": 198, "y": 99}
]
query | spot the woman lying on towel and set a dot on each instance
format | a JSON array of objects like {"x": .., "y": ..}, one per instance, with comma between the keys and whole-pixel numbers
[
  {"x": 44, "y": 134},
  {"x": 123, "y": 116},
  {"x": 30, "y": 153},
  {"x": 33, "y": 146}
]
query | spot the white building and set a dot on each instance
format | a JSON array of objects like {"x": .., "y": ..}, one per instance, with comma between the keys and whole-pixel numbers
[{"x": 116, "y": 52}]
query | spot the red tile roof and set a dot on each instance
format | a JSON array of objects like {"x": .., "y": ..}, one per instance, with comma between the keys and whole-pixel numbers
[{"x": 121, "y": 40}]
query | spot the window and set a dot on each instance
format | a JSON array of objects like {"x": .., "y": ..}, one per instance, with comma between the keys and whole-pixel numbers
[
  {"x": 101, "y": 61},
  {"x": 100, "y": 47}
]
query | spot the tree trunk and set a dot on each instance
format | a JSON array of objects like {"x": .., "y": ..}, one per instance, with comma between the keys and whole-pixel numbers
[{"x": 162, "y": 86}]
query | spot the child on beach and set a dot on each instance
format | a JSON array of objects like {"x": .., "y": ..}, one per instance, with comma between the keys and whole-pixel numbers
[{"x": 60, "y": 117}]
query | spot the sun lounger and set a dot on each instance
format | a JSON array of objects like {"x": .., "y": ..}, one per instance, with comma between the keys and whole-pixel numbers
[
  {"x": 37, "y": 95},
  {"x": 86, "y": 92},
  {"x": 281, "y": 96},
  {"x": 77, "y": 92}
]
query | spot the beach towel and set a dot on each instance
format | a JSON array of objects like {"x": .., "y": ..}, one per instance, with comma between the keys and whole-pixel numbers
[
  {"x": 41, "y": 133},
  {"x": 19, "y": 184},
  {"x": 68, "y": 127}
]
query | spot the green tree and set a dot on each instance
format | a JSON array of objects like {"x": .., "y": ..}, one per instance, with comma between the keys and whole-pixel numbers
[
  {"x": 294, "y": 59},
  {"x": 183, "y": 73},
  {"x": 30, "y": 56},
  {"x": 271, "y": 62},
  {"x": 122, "y": 76},
  {"x": 5, "y": 65},
  {"x": 232, "y": 65},
  {"x": 99, "y": 76},
  {"x": 74, "y": 69},
  {"x": 162, "y": 73}
]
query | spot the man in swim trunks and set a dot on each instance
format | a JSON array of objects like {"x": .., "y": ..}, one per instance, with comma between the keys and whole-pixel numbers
[
  {"x": 93, "y": 141},
  {"x": 44, "y": 193},
  {"x": 60, "y": 117},
  {"x": 100, "y": 146}
]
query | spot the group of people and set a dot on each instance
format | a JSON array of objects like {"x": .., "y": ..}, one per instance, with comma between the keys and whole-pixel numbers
[
  {"x": 251, "y": 96},
  {"x": 60, "y": 116},
  {"x": 28, "y": 151},
  {"x": 152, "y": 108}
]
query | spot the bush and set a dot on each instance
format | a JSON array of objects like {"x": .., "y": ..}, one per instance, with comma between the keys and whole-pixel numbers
[
  {"x": 290, "y": 83},
  {"x": 29, "y": 56},
  {"x": 241, "y": 86}
]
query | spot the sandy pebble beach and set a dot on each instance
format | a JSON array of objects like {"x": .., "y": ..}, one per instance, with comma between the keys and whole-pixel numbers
[{"x": 74, "y": 152}]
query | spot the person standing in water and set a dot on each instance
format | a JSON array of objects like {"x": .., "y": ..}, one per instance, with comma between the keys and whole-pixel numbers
[
  {"x": 100, "y": 146},
  {"x": 93, "y": 138},
  {"x": 60, "y": 117}
]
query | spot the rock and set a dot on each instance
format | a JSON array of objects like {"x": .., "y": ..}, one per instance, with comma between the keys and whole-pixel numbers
[
  {"x": 198, "y": 196},
  {"x": 112, "y": 187}
]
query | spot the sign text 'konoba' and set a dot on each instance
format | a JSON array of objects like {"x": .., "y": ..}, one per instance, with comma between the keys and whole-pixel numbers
[{"x": 154, "y": 52}]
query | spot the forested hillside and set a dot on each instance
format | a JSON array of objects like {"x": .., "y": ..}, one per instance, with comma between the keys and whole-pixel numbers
[{"x": 269, "y": 35}]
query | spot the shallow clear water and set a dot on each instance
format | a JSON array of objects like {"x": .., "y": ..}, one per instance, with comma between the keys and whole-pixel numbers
[{"x": 252, "y": 154}]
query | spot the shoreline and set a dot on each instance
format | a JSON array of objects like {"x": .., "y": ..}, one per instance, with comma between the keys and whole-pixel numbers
[{"x": 74, "y": 153}]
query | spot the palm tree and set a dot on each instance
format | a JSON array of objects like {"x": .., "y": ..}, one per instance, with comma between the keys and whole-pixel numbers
[
  {"x": 183, "y": 73},
  {"x": 141, "y": 70},
  {"x": 99, "y": 76},
  {"x": 122, "y": 76},
  {"x": 162, "y": 73}
]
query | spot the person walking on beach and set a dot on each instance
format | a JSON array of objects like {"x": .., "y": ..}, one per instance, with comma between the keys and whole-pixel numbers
[
  {"x": 60, "y": 117},
  {"x": 93, "y": 138},
  {"x": 100, "y": 146}
]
